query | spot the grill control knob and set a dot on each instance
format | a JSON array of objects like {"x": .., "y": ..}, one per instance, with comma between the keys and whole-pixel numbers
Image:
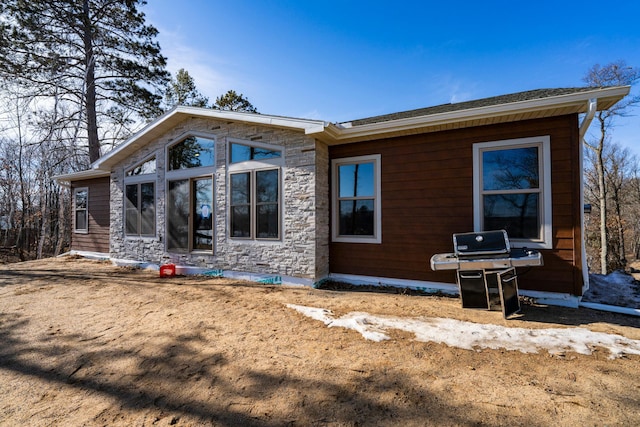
[{"x": 479, "y": 238}]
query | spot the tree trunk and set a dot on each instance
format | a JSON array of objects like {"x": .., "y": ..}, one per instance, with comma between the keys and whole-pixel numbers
[
  {"x": 44, "y": 224},
  {"x": 90, "y": 86},
  {"x": 620, "y": 224},
  {"x": 62, "y": 222},
  {"x": 602, "y": 200}
]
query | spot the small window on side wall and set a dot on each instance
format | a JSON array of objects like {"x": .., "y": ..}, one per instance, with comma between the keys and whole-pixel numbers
[
  {"x": 81, "y": 210},
  {"x": 356, "y": 200}
]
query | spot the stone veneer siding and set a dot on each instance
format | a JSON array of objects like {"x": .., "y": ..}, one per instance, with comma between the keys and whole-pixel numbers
[{"x": 302, "y": 251}]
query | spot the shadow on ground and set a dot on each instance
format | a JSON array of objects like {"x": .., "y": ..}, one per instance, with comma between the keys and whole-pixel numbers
[{"x": 160, "y": 383}]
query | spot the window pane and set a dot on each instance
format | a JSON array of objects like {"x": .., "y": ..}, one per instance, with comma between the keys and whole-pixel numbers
[
  {"x": 147, "y": 209},
  {"x": 203, "y": 224},
  {"x": 243, "y": 153},
  {"x": 259, "y": 153},
  {"x": 267, "y": 221},
  {"x": 147, "y": 167},
  {"x": 81, "y": 220},
  {"x": 356, "y": 180},
  {"x": 518, "y": 214},
  {"x": 240, "y": 221},
  {"x": 240, "y": 188},
  {"x": 266, "y": 186},
  {"x": 356, "y": 217},
  {"x": 81, "y": 199},
  {"x": 240, "y": 153},
  {"x": 178, "y": 215},
  {"x": 131, "y": 209},
  {"x": 511, "y": 169},
  {"x": 193, "y": 152}
]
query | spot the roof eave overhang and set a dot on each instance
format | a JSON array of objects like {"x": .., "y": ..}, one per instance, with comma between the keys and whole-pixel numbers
[
  {"x": 82, "y": 175},
  {"x": 575, "y": 103},
  {"x": 173, "y": 118},
  {"x": 334, "y": 134}
]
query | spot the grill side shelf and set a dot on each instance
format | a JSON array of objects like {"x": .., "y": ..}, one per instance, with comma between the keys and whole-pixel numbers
[{"x": 444, "y": 262}]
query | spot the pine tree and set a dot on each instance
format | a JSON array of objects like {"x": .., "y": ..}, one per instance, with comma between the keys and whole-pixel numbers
[
  {"x": 182, "y": 90},
  {"x": 231, "y": 101},
  {"x": 98, "y": 58}
]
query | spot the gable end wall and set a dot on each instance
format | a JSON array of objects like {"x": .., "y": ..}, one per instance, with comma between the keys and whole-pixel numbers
[{"x": 298, "y": 251}]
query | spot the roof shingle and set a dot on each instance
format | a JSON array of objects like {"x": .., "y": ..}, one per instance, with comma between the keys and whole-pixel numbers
[{"x": 468, "y": 105}]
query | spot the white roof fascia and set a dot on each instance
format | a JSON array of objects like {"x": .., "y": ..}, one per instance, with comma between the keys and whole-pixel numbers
[
  {"x": 308, "y": 126},
  {"x": 86, "y": 174},
  {"x": 337, "y": 133},
  {"x": 519, "y": 107},
  {"x": 145, "y": 130}
]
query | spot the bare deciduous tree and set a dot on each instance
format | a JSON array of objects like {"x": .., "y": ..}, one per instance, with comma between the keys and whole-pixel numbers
[{"x": 614, "y": 74}]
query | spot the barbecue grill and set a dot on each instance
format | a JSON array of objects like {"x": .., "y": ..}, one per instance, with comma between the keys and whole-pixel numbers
[{"x": 485, "y": 267}]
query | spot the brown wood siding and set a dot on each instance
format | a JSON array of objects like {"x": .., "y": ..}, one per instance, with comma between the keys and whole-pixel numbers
[
  {"x": 97, "y": 239},
  {"x": 427, "y": 195}
]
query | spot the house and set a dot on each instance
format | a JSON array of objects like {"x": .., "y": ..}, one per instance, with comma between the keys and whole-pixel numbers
[{"x": 368, "y": 201}]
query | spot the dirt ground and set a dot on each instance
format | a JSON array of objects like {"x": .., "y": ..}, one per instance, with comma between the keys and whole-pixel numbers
[{"x": 86, "y": 343}]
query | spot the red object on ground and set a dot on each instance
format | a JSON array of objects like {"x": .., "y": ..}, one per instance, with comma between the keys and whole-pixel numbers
[{"x": 167, "y": 270}]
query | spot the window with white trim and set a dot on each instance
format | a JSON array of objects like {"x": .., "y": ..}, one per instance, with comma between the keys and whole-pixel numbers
[
  {"x": 255, "y": 201},
  {"x": 81, "y": 210},
  {"x": 140, "y": 199},
  {"x": 356, "y": 200},
  {"x": 512, "y": 189}
]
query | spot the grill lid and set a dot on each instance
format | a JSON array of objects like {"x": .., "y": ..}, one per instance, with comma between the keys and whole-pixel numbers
[{"x": 481, "y": 243}]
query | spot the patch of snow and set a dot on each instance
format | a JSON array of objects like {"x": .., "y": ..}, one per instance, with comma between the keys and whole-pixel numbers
[
  {"x": 617, "y": 288},
  {"x": 471, "y": 336}
]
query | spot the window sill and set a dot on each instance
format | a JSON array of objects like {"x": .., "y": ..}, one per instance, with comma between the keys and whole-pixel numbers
[
  {"x": 521, "y": 244},
  {"x": 134, "y": 237},
  {"x": 246, "y": 240}
]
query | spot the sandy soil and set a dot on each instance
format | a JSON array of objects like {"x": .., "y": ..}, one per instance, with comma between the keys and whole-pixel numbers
[{"x": 86, "y": 343}]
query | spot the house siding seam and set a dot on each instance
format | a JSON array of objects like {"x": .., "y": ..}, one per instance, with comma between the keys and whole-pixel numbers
[{"x": 303, "y": 248}]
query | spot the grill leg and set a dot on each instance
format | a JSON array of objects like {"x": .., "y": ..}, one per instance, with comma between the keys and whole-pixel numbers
[
  {"x": 473, "y": 289},
  {"x": 508, "y": 284}
]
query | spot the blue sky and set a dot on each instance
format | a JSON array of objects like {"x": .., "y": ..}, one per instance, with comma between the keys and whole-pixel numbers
[{"x": 339, "y": 61}]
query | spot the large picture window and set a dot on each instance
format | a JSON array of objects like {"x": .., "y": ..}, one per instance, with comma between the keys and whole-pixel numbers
[
  {"x": 190, "y": 215},
  {"x": 255, "y": 204},
  {"x": 512, "y": 189},
  {"x": 254, "y": 190},
  {"x": 190, "y": 211},
  {"x": 81, "y": 210},
  {"x": 356, "y": 200}
]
